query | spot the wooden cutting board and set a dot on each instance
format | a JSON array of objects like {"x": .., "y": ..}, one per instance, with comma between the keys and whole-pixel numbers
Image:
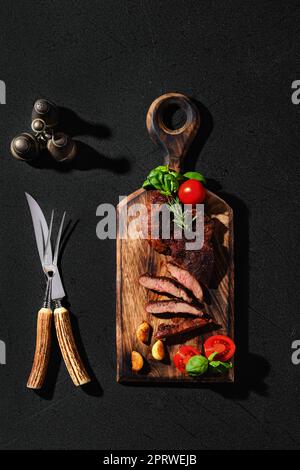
[{"x": 135, "y": 257}]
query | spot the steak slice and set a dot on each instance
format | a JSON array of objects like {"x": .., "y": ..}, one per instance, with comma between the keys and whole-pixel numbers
[
  {"x": 165, "y": 330},
  {"x": 186, "y": 279},
  {"x": 173, "y": 306},
  {"x": 165, "y": 285}
]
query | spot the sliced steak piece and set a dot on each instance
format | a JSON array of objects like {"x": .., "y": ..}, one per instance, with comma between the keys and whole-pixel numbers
[
  {"x": 165, "y": 285},
  {"x": 165, "y": 330},
  {"x": 173, "y": 306},
  {"x": 186, "y": 279}
]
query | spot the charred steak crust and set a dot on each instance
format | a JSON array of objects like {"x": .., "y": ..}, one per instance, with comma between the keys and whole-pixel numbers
[
  {"x": 173, "y": 307},
  {"x": 166, "y": 286},
  {"x": 198, "y": 262},
  {"x": 165, "y": 330}
]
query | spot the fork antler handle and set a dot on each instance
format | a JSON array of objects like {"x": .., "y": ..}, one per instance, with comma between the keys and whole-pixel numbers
[
  {"x": 42, "y": 349},
  {"x": 68, "y": 347}
]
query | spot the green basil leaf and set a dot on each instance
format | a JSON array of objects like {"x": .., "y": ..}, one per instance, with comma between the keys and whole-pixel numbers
[
  {"x": 214, "y": 363},
  {"x": 164, "y": 168},
  {"x": 155, "y": 173},
  {"x": 196, "y": 365},
  {"x": 226, "y": 365},
  {"x": 219, "y": 367},
  {"x": 212, "y": 355},
  {"x": 164, "y": 180},
  {"x": 160, "y": 169},
  {"x": 178, "y": 176},
  {"x": 171, "y": 186},
  {"x": 174, "y": 187},
  {"x": 147, "y": 184},
  {"x": 167, "y": 184},
  {"x": 154, "y": 181},
  {"x": 194, "y": 175}
]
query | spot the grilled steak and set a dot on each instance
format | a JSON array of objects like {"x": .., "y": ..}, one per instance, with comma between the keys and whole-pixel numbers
[
  {"x": 186, "y": 279},
  {"x": 172, "y": 306},
  {"x": 198, "y": 262},
  {"x": 165, "y": 285},
  {"x": 165, "y": 330}
]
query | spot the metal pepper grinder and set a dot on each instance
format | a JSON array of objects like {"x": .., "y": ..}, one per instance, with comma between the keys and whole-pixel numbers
[
  {"x": 62, "y": 147},
  {"x": 24, "y": 147},
  {"x": 44, "y": 120}
]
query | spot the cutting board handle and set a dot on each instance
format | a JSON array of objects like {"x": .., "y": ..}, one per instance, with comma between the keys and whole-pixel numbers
[{"x": 175, "y": 141}]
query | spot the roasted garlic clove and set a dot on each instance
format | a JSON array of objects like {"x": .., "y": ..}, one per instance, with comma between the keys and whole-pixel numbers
[
  {"x": 137, "y": 361},
  {"x": 158, "y": 350}
]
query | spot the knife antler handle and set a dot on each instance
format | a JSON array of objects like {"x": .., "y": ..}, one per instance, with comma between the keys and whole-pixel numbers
[
  {"x": 42, "y": 349},
  {"x": 174, "y": 141},
  {"x": 68, "y": 347}
]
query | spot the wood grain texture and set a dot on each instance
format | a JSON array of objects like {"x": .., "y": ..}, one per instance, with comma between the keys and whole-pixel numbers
[
  {"x": 135, "y": 257},
  {"x": 175, "y": 142},
  {"x": 68, "y": 347},
  {"x": 42, "y": 349}
]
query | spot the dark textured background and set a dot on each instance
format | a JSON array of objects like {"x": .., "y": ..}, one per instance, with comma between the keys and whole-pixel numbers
[{"x": 106, "y": 62}]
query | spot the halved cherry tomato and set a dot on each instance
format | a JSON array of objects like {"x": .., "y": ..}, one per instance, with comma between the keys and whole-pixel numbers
[
  {"x": 191, "y": 192},
  {"x": 222, "y": 344},
  {"x": 183, "y": 355}
]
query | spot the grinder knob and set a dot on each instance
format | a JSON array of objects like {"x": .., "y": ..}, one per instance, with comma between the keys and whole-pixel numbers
[{"x": 24, "y": 147}]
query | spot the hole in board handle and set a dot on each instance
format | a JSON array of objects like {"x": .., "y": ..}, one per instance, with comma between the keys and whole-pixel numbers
[{"x": 173, "y": 116}]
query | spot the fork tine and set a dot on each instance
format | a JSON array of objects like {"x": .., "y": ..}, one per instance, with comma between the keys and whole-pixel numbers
[
  {"x": 56, "y": 251},
  {"x": 47, "y": 257}
]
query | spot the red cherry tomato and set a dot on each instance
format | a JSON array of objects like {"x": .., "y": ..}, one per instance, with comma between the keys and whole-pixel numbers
[
  {"x": 191, "y": 192},
  {"x": 183, "y": 355},
  {"x": 224, "y": 346}
]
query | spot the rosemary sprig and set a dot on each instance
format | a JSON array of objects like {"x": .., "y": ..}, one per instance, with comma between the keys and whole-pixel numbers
[
  {"x": 179, "y": 215},
  {"x": 175, "y": 207}
]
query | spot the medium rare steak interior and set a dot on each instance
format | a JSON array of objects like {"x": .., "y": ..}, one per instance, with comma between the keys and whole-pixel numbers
[
  {"x": 173, "y": 306},
  {"x": 186, "y": 279},
  {"x": 198, "y": 262},
  {"x": 165, "y": 285}
]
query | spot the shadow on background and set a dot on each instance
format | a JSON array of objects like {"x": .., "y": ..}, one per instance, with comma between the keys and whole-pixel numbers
[
  {"x": 205, "y": 129},
  {"x": 251, "y": 369},
  {"x": 92, "y": 388},
  {"x": 87, "y": 158}
]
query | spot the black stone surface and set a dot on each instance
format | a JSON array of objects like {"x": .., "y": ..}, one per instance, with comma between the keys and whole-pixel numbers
[{"x": 105, "y": 62}]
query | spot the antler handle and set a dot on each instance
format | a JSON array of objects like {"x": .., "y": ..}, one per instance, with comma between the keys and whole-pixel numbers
[
  {"x": 42, "y": 349},
  {"x": 68, "y": 347}
]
